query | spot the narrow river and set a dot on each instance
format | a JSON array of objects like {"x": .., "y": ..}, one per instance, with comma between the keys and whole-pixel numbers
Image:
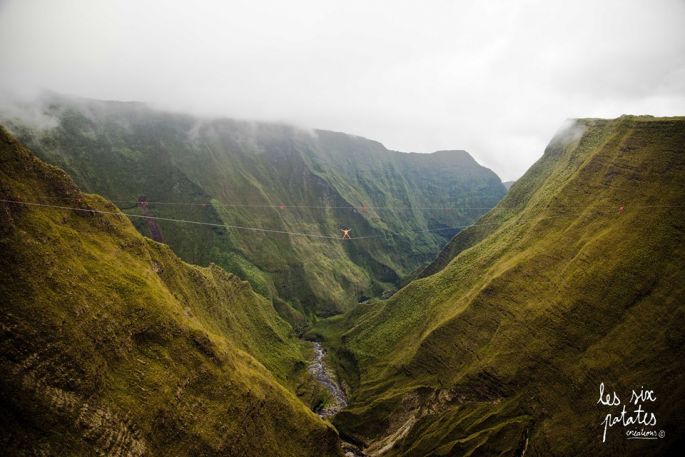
[{"x": 318, "y": 369}]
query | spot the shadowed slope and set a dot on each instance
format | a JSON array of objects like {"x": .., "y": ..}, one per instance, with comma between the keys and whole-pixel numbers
[{"x": 111, "y": 345}]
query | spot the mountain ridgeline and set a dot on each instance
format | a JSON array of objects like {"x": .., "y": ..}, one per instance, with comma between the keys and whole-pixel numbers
[
  {"x": 271, "y": 177},
  {"x": 575, "y": 279},
  {"x": 496, "y": 343}
]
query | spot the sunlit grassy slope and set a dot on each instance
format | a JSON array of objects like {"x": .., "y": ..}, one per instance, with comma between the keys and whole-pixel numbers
[
  {"x": 111, "y": 345},
  {"x": 502, "y": 345},
  {"x": 326, "y": 180}
]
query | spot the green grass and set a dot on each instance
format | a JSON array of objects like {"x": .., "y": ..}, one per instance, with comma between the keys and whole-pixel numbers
[
  {"x": 112, "y": 345},
  {"x": 123, "y": 151},
  {"x": 110, "y": 342},
  {"x": 531, "y": 313}
]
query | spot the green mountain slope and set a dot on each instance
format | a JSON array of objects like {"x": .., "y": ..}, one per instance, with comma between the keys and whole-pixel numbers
[
  {"x": 501, "y": 346},
  {"x": 111, "y": 345},
  {"x": 239, "y": 173}
]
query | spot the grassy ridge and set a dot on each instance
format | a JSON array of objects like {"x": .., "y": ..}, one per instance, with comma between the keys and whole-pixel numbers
[
  {"x": 327, "y": 180},
  {"x": 112, "y": 345},
  {"x": 503, "y": 343}
]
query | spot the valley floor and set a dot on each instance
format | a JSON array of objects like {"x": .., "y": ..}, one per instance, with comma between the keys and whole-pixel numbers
[{"x": 323, "y": 375}]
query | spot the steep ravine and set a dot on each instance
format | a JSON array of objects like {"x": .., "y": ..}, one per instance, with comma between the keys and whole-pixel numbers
[
  {"x": 322, "y": 374},
  {"x": 502, "y": 346},
  {"x": 267, "y": 176},
  {"x": 319, "y": 371},
  {"x": 111, "y": 345}
]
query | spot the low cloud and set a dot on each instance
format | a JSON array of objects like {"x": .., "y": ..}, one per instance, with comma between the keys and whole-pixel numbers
[{"x": 494, "y": 78}]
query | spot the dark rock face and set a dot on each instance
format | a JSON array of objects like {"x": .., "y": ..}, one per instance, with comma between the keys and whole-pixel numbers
[{"x": 153, "y": 227}]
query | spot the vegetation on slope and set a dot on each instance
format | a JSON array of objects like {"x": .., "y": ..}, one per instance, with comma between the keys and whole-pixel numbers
[
  {"x": 325, "y": 180},
  {"x": 501, "y": 347},
  {"x": 112, "y": 345}
]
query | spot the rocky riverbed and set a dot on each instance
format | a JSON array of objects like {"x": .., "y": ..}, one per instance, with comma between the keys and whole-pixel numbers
[{"x": 322, "y": 374}]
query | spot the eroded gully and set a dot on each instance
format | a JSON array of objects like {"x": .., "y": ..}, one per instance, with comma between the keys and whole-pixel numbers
[{"x": 318, "y": 369}]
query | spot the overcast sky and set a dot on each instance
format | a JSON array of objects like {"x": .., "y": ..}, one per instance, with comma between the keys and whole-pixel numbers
[{"x": 494, "y": 78}]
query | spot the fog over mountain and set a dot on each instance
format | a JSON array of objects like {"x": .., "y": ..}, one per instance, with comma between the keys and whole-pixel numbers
[
  {"x": 493, "y": 78},
  {"x": 342, "y": 228}
]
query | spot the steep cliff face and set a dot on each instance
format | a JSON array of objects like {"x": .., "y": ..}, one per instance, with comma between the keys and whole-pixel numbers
[
  {"x": 273, "y": 177},
  {"x": 575, "y": 279},
  {"x": 111, "y": 345}
]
